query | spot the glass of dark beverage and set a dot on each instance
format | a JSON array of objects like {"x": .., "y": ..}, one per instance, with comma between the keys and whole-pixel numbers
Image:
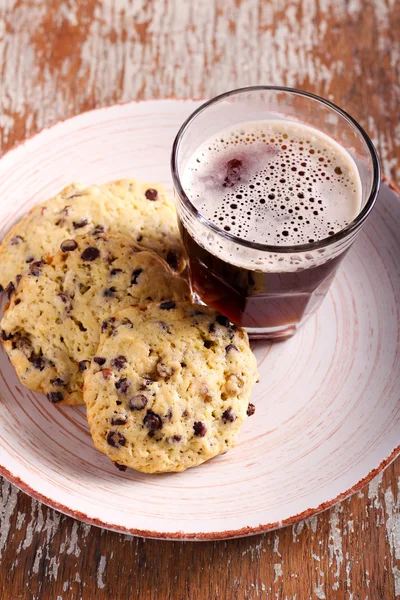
[{"x": 272, "y": 187}]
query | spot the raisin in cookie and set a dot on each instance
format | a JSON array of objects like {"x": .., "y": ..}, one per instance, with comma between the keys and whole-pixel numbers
[
  {"x": 169, "y": 387},
  {"x": 130, "y": 207},
  {"x": 51, "y": 328}
]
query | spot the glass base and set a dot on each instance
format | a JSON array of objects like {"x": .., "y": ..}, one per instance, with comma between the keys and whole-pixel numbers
[{"x": 272, "y": 333}]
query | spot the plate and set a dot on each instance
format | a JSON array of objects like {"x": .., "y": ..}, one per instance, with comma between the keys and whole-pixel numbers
[{"x": 328, "y": 412}]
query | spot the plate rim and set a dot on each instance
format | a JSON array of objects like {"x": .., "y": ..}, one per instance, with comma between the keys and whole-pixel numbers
[{"x": 181, "y": 535}]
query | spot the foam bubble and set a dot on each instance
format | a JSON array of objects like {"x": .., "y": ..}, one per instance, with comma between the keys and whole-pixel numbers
[{"x": 274, "y": 182}]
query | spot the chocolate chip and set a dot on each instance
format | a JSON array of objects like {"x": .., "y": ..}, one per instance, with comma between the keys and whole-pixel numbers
[
  {"x": 68, "y": 245},
  {"x": 65, "y": 300},
  {"x": 35, "y": 268},
  {"x": 230, "y": 347},
  {"x": 123, "y": 385},
  {"x": 222, "y": 321},
  {"x": 146, "y": 382},
  {"x": 119, "y": 419},
  {"x": 116, "y": 439},
  {"x": 168, "y": 416},
  {"x": 119, "y": 362},
  {"x": 120, "y": 467},
  {"x": 152, "y": 421},
  {"x": 109, "y": 292},
  {"x": 138, "y": 402},
  {"x": 30, "y": 259},
  {"x": 99, "y": 360},
  {"x": 208, "y": 344},
  {"x": 17, "y": 239},
  {"x": 173, "y": 259},
  {"x": 106, "y": 323},
  {"x": 24, "y": 343},
  {"x": 115, "y": 272},
  {"x": 211, "y": 328},
  {"x": 58, "y": 382},
  {"x": 185, "y": 414},
  {"x": 233, "y": 170},
  {"x": 107, "y": 374},
  {"x": 90, "y": 254},
  {"x": 10, "y": 289},
  {"x": 98, "y": 229},
  {"x": 228, "y": 415},
  {"x": 83, "y": 365},
  {"x": 127, "y": 323},
  {"x": 167, "y": 305},
  {"x": 199, "y": 428},
  {"x": 151, "y": 194},
  {"x": 139, "y": 238},
  {"x": 163, "y": 326},
  {"x": 251, "y": 409},
  {"x": 135, "y": 275},
  {"x": 6, "y": 336},
  {"x": 164, "y": 371},
  {"x": 174, "y": 439},
  {"x": 39, "y": 362},
  {"x": 55, "y": 397},
  {"x": 80, "y": 224}
]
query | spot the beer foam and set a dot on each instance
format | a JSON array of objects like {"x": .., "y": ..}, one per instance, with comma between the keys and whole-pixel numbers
[{"x": 274, "y": 182}]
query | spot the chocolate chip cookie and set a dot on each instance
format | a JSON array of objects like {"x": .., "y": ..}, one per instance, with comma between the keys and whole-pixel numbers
[
  {"x": 130, "y": 207},
  {"x": 52, "y": 325},
  {"x": 169, "y": 387}
]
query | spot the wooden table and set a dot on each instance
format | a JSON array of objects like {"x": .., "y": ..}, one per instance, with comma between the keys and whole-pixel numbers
[{"x": 58, "y": 58}]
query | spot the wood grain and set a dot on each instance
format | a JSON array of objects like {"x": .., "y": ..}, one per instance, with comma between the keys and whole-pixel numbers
[{"x": 58, "y": 58}]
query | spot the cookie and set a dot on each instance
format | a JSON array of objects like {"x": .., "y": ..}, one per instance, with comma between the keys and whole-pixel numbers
[
  {"x": 52, "y": 325},
  {"x": 130, "y": 207},
  {"x": 169, "y": 387}
]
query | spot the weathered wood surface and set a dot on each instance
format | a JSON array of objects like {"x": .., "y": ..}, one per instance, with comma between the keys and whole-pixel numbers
[{"x": 60, "y": 57}]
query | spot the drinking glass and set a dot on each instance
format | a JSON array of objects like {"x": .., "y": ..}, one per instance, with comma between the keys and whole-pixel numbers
[{"x": 243, "y": 282}]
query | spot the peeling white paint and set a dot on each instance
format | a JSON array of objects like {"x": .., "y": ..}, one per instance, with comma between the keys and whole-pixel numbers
[
  {"x": 392, "y": 508},
  {"x": 276, "y": 546},
  {"x": 100, "y": 572},
  {"x": 8, "y": 502},
  {"x": 277, "y": 571},
  {"x": 335, "y": 541},
  {"x": 319, "y": 591},
  {"x": 73, "y": 547},
  {"x": 20, "y": 520}
]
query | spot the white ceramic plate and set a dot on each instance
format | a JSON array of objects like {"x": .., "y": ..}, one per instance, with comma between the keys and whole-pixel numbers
[{"x": 328, "y": 412}]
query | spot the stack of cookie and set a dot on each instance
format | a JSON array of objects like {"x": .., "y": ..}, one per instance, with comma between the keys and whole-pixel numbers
[{"x": 99, "y": 314}]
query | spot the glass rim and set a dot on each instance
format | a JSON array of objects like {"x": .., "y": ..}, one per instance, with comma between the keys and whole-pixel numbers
[{"x": 277, "y": 249}]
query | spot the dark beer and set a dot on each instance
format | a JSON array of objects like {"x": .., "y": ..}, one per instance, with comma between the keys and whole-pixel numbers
[
  {"x": 255, "y": 299},
  {"x": 274, "y": 183}
]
